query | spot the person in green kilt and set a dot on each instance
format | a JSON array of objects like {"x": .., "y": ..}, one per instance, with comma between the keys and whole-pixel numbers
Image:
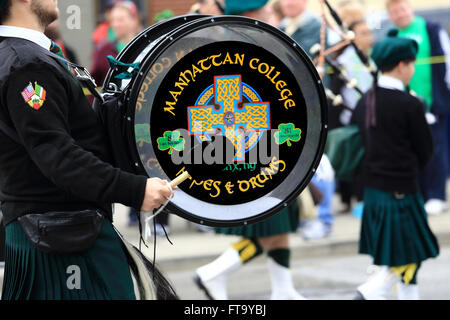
[
  {"x": 271, "y": 235},
  {"x": 54, "y": 165},
  {"x": 398, "y": 144}
]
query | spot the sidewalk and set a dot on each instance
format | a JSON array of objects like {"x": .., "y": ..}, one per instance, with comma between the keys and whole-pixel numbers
[{"x": 192, "y": 247}]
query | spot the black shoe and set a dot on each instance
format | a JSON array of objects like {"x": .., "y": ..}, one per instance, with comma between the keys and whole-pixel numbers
[
  {"x": 198, "y": 281},
  {"x": 359, "y": 296}
]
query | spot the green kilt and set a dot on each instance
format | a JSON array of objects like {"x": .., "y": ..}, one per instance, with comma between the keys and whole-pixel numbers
[
  {"x": 395, "y": 231},
  {"x": 283, "y": 222},
  {"x": 31, "y": 274}
]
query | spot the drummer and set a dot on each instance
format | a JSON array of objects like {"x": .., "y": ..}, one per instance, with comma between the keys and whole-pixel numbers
[{"x": 57, "y": 164}]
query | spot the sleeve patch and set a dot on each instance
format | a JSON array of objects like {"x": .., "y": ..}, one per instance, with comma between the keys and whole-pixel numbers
[{"x": 34, "y": 96}]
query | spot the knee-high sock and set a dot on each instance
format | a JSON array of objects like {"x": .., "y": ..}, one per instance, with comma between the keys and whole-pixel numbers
[
  {"x": 281, "y": 256},
  {"x": 408, "y": 289},
  {"x": 379, "y": 285},
  {"x": 280, "y": 275},
  {"x": 214, "y": 275}
]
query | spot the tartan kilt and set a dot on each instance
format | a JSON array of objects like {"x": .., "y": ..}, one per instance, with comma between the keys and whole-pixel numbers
[
  {"x": 285, "y": 221},
  {"x": 31, "y": 274},
  {"x": 395, "y": 231}
]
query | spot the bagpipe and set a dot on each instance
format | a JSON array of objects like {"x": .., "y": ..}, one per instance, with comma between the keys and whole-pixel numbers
[{"x": 344, "y": 146}]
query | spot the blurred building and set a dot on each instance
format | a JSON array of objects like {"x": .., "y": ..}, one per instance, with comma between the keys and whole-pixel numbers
[{"x": 79, "y": 18}]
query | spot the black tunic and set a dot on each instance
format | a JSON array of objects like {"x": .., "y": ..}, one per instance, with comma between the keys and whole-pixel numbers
[
  {"x": 62, "y": 164},
  {"x": 399, "y": 146}
]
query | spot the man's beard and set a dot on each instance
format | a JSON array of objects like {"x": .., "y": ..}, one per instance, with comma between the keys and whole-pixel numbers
[{"x": 45, "y": 16}]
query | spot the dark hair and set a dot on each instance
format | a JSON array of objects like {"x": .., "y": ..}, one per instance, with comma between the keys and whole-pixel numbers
[
  {"x": 5, "y": 11},
  {"x": 391, "y": 67}
]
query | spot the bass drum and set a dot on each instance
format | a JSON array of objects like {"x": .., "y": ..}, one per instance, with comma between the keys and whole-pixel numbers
[{"x": 237, "y": 104}]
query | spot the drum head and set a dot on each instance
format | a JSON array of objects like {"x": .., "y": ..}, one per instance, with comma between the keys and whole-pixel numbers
[{"x": 237, "y": 104}]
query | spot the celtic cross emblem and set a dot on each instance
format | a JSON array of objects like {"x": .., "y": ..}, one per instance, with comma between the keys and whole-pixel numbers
[{"x": 229, "y": 117}]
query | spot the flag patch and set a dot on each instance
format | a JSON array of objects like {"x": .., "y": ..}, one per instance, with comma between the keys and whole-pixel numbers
[{"x": 34, "y": 96}]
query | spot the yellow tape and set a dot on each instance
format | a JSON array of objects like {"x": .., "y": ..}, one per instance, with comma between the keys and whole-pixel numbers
[
  {"x": 419, "y": 62},
  {"x": 407, "y": 271}
]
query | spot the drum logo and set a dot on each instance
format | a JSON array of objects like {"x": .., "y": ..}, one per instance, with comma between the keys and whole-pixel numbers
[{"x": 241, "y": 123}]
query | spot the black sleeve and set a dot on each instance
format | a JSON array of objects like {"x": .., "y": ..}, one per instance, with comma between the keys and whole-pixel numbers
[
  {"x": 45, "y": 133},
  {"x": 422, "y": 141}
]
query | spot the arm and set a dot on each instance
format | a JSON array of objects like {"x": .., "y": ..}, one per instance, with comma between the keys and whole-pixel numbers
[
  {"x": 45, "y": 134},
  {"x": 422, "y": 141}
]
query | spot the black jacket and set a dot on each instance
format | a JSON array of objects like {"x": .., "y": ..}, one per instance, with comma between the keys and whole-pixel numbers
[
  {"x": 62, "y": 163},
  {"x": 399, "y": 146}
]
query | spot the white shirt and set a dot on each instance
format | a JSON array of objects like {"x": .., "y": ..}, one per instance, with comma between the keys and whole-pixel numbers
[
  {"x": 28, "y": 34},
  {"x": 388, "y": 82}
]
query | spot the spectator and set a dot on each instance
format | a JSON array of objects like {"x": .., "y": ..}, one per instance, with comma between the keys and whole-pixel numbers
[
  {"x": 300, "y": 23},
  {"x": 104, "y": 32},
  {"x": 211, "y": 7},
  {"x": 353, "y": 16},
  {"x": 432, "y": 83},
  {"x": 126, "y": 25},
  {"x": 324, "y": 181}
]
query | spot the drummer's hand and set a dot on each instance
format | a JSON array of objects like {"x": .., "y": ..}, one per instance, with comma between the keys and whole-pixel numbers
[{"x": 156, "y": 194}]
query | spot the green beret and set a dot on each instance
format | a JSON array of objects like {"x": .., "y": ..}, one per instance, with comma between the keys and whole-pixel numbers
[
  {"x": 393, "y": 49},
  {"x": 235, "y": 7}
]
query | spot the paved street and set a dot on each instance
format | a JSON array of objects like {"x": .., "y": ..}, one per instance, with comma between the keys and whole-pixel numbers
[{"x": 319, "y": 278}]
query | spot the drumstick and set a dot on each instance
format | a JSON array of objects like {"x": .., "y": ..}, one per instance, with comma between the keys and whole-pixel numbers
[{"x": 175, "y": 182}]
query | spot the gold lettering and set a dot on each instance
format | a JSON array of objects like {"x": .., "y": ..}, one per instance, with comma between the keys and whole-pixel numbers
[
  {"x": 289, "y": 103},
  {"x": 286, "y": 93},
  {"x": 245, "y": 187},
  {"x": 266, "y": 67},
  {"x": 229, "y": 186},
  {"x": 280, "y": 85},
  {"x": 274, "y": 77},
  {"x": 277, "y": 162},
  {"x": 175, "y": 95},
  {"x": 216, "y": 185},
  {"x": 251, "y": 63},
  {"x": 255, "y": 185},
  {"x": 183, "y": 74},
  {"x": 196, "y": 70},
  {"x": 261, "y": 180},
  {"x": 227, "y": 59},
  {"x": 239, "y": 59},
  {"x": 202, "y": 64},
  {"x": 194, "y": 182},
  {"x": 213, "y": 58},
  {"x": 207, "y": 184},
  {"x": 170, "y": 107},
  {"x": 181, "y": 84}
]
